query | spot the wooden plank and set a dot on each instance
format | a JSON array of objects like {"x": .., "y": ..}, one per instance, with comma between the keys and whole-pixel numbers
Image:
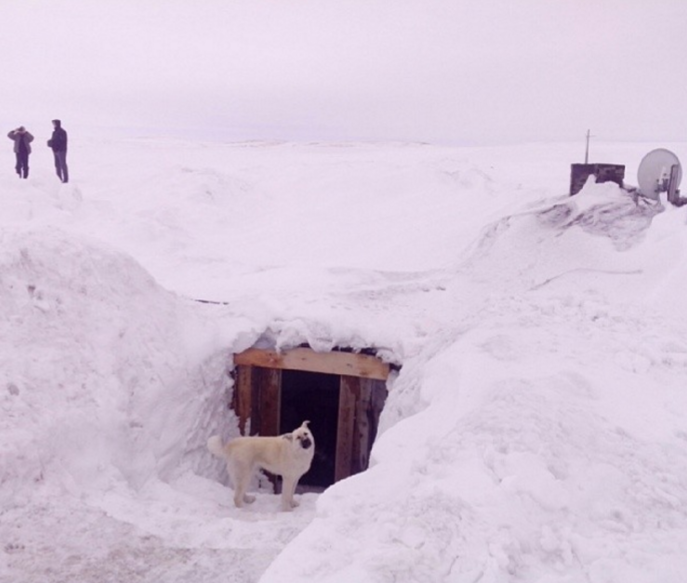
[
  {"x": 345, "y": 437},
  {"x": 242, "y": 397},
  {"x": 369, "y": 406},
  {"x": 306, "y": 359},
  {"x": 269, "y": 386},
  {"x": 268, "y": 406},
  {"x": 361, "y": 433},
  {"x": 255, "y": 401}
]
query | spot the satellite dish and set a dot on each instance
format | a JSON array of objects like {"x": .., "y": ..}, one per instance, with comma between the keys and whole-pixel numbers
[{"x": 659, "y": 171}]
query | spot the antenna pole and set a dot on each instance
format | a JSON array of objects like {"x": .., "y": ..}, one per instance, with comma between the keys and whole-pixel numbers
[{"x": 586, "y": 151}]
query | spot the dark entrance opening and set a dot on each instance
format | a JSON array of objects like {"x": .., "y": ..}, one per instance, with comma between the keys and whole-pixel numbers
[
  {"x": 314, "y": 397},
  {"x": 341, "y": 393}
]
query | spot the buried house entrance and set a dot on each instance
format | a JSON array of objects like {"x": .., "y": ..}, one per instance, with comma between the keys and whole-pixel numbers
[
  {"x": 315, "y": 397},
  {"x": 341, "y": 393}
]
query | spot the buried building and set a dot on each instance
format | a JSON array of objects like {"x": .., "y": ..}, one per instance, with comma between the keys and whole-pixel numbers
[
  {"x": 580, "y": 173},
  {"x": 341, "y": 393}
]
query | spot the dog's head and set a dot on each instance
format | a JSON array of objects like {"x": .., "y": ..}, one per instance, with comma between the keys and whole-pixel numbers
[{"x": 302, "y": 436}]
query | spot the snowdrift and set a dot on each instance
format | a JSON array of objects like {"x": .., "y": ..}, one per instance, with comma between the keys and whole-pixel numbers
[
  {"x": 535, "y": 432},
  {"x": 549, "y": 442},
  {"x": 106, "y": 377}
]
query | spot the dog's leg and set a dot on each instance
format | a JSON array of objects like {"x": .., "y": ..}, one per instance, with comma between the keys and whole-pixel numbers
[
  {"x": 240, "y": 496},
  {"x": 288, "y": 489},
  {"x": 240, "y": 479}
]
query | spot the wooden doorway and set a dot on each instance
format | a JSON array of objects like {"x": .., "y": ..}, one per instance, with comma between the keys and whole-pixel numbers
[
  {"x": 341, "y": 393},
  {"x": 313, "y": 396}
]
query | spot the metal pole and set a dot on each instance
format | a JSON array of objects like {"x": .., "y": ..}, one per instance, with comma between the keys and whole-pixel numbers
[{"x": 586, "y": 151}]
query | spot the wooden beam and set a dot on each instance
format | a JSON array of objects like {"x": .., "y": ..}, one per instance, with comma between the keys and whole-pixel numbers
[
  {"x": 269, "y": 401},
  {"x": 242, "y": 398},
  {"x": 345, "y": 435},
  {"x": 369, "y": 405},
  {"x": 306, "y": 359},
  {"x": 361, "y": 431}
]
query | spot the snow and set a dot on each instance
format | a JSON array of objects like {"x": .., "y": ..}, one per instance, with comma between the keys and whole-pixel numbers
[{"x": 535, "y": 431}]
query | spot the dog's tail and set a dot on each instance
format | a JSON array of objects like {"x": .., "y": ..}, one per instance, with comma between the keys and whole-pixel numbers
[{"x": 215, "y": 446}]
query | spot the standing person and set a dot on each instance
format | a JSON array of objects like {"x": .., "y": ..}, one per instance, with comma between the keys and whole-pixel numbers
[
  {"x": 22, "y": 148},
  {"x": 58, "y": 143}
]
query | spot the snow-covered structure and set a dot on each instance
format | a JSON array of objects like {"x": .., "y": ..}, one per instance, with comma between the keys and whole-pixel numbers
[{"x": 535, "y": 431}]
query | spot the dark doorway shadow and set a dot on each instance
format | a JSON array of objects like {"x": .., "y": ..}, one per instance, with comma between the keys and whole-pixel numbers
[{"x": 314, "y": 397}]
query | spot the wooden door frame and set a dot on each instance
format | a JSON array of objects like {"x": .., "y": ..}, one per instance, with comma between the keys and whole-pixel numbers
[{"x": 362, "y": 378}]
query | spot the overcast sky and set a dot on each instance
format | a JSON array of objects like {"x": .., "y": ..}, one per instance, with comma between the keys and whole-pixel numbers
[{"x": 457, "y": 71}]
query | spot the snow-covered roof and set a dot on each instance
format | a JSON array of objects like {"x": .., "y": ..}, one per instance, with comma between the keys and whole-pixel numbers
[{"x": 535, "y": 431}]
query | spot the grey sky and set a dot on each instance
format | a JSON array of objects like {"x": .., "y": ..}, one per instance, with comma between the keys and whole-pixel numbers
[{"x": 477, "y": 71}]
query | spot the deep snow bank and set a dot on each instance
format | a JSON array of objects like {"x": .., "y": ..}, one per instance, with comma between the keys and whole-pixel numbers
[
  {"x": 105, "y": 378},
  {"x": 535, "y": 432},
  {"x": 546, "y": 438}
]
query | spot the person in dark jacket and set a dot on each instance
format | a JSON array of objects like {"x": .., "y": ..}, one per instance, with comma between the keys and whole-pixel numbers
[
  {"x": 22, "y": 148},
  {"x": 58, "y": 143}
]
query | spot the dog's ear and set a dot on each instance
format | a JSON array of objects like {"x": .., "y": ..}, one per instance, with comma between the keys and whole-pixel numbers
[
  {"x": 288, "y": 436},
  {"x": 305, "y": 423}
]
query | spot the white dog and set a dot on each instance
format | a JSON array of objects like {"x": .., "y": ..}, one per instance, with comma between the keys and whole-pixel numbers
[{"x": 288, "y": 456}]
